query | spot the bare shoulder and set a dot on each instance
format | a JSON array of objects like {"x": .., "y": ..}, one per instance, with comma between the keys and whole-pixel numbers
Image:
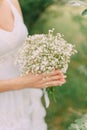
[{"x": 17, "y": 5}]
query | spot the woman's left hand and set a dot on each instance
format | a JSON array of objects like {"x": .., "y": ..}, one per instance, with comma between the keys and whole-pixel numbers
[{"x": 55, "y": 78}]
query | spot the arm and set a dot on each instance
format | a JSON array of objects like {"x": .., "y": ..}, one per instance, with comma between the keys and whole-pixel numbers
[
  {"x": 8, "y": 85},
  {"x": 56, "y": 78},
  {"x": 18, "y": 83}
]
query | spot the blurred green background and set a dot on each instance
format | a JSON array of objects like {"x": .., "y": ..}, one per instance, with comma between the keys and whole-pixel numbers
[{"x": 71, "y": 98}]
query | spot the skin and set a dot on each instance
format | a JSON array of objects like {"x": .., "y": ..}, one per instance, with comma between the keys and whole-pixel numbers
[{"x": 55, "y": 78}]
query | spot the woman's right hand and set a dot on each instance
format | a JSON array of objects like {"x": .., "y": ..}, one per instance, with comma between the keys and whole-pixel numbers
[{"x": 55, "y": 78}]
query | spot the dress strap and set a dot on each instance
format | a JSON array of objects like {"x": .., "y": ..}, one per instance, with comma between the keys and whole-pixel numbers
[
  {"x": 10, "y": 3},
  {"x": 15, "y": 11}
]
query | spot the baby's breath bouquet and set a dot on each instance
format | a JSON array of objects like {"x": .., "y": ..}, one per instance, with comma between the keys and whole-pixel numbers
[
  {"x": 42, "y": 53},
  {"x": 79, "y": 124}
]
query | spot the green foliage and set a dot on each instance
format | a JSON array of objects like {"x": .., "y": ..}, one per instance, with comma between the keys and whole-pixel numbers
[
  {"x": 32, "y": 9},
  {"x": 84, "y": 12}
]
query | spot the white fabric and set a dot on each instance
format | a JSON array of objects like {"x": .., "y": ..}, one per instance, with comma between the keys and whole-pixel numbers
[{"x": 22, "y": 109}]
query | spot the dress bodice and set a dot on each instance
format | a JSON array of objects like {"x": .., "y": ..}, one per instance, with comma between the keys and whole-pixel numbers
[
  {"x": 11, "y": 41},
  {"x": 19, "y": 110}
]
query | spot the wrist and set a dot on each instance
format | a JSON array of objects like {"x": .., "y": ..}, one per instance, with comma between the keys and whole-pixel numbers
[
  {"x": 17, "y": 83},
  {"x": 13, "y": 84}
]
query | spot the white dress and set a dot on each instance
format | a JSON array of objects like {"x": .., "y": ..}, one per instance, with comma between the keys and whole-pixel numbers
[{"x": 20, "y": 109}]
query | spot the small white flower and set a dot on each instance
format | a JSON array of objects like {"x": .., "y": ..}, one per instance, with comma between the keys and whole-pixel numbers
[{"x": 44, "y": 52}]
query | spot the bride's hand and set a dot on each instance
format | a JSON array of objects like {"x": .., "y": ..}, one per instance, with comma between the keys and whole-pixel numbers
[{"x": 55, "y": 78}]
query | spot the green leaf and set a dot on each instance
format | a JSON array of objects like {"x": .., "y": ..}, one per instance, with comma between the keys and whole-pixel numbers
[{"x": 84, "y": 12}]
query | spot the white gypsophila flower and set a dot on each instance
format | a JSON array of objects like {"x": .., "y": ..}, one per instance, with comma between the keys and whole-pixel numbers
[
  {"x": 44, "y": 52},
  {"x": 79, "y": 124}
]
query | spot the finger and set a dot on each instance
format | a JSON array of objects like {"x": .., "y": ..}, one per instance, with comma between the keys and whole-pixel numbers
[
  {"x": 57, "y": 83},
  {"x": 54, "y": 83},
  {"x": 55, "y": 72},
  {"x": 51, "y": 83},
  {"x": 43, "y": 84},
  {"x": 53, "y": 78},
  {"x": 57, "y": 78}
]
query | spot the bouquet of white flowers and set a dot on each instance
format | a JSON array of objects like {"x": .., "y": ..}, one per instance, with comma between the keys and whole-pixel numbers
[
  {"x": 79, "y": 124},
  {"x": 42, "y": 53}
]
